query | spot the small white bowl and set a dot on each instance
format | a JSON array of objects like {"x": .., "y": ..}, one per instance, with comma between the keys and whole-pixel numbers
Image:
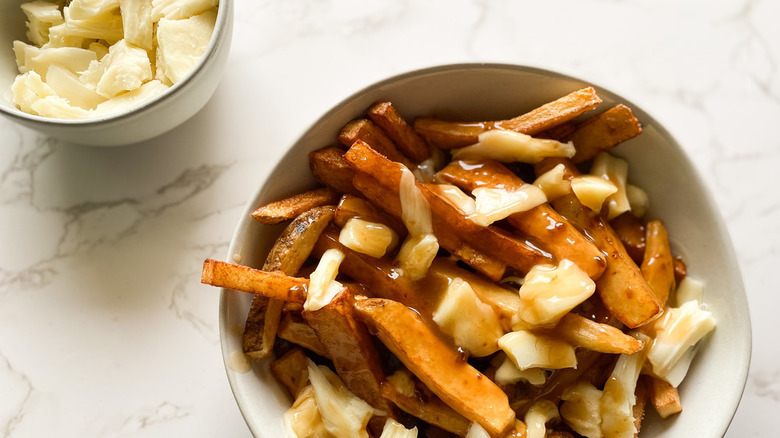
[
  {"x": 713, "y": 388},
  {"x": 152, "y": 118}
]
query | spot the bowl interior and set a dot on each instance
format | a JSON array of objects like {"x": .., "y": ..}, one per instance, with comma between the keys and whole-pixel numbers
[{"x": 712, "y": 390}]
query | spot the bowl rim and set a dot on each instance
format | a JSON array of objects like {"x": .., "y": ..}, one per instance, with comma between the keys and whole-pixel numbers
[
  {"x": 221, "y": 28},
  {"x": 235, "y": 242}
]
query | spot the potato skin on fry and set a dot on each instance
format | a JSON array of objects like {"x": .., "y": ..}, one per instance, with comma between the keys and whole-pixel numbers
[
  {"x": 350, "y": 347},
  {"x": 437, "y": 364},
  {"x": 288, "y": 254},
  {"x": 291, "y": 207},
  {"x": 447, "y": 135},
  {"x": 246, "y": 279}
]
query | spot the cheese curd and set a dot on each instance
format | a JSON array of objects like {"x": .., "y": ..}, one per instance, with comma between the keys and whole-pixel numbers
[{"x": 93, "y": 58}]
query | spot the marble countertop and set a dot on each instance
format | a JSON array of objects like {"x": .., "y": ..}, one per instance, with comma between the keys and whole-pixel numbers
[{"x": 105, "y": 330}]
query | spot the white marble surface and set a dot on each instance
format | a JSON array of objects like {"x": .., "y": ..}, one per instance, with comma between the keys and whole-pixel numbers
[{"x": 105, "y": 330}]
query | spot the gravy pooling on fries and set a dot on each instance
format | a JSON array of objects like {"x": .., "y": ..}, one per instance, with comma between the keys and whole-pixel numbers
[{"x": 480, "y": 279}]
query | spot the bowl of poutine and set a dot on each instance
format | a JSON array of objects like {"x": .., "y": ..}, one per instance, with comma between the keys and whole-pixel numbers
[{"x": 483, "y": 250}]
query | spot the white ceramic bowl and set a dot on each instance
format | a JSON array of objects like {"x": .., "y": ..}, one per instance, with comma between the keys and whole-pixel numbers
[
  {"x": 154, "y": 117},
  {"x": 711, "y": 392}
]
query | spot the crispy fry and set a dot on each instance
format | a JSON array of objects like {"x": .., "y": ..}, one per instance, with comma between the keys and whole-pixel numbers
[
  {"x": 603, "y": 338},
  {"x": 664, "y": 397},
  {"x": 640, "y": 394},
  {"x": 447, "y": 135},
  {"x": 631, "y": 232},
  {"x": 428, "y": 408},
  {"x": 381, "y": 281},
  {"x": 604, "y": 132},
  {"x": 353, "y": 206},
  {"x": 437, "y": 364},
  {"x": 329, "y": 168},
  {"x": 622, "y": 287},
  {"x": 291, "y": 207},
  {"x": 291, "y": 371},
  {"x": 562, "y": 240},
  {"x": 680, "y": 270},
  {"x": 350, "y": 347},
  {"x": 657, "y": 265},
  {"x": 294, "y": 329},
  {"x": 408, "y": 141},
  {"x": 287, "y": 255},
  {"x": 366, "y": 131},
  {"x": 377, "y": 275},
  {"x": 449, "y": 224},
  {"x": 245, "y": 279}
]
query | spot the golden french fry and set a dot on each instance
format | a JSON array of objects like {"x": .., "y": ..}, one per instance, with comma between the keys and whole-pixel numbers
[
  {"x": 438, "y": 365},
  {"x": 603, "y": 338},
  {"x": 448, "y": 221},
  {"x": 291, "y": 371},
  {"x": 428, "y": 408},
  {"x": 603, "y": 132},
  {"x": 664, "y": 397},
  {"x": 658, "y": 265},
  {"x": 366, "y": 131},
  {"x": 562, "y": 240},
  {"x": 640, "y": 394},
  {"x": 631, "y": 232},
  {"x": 447, "y": 135},
  {"x": 329, "y": 168},
  {"x": 245, "y": 279},
  {"x": 622, "y": 287},
  {"x": 287, "y": 255},
  {"x": 680, "y": 270},
  {"x": 485, "y": 263},
  {"x": 404, "y": 136},
  {"x": 351, "y": 348},
  {"x": 289, "y": 208},
  {"x": 293, "y": 328}
]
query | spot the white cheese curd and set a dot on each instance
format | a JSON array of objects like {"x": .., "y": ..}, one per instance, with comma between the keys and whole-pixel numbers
[{"x": 98, "y": 57}]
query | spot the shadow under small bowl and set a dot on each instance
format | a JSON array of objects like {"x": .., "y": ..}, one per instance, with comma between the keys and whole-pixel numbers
[
  {"x": 713, "y": 388},
  {"x": 150, "y": 119}
]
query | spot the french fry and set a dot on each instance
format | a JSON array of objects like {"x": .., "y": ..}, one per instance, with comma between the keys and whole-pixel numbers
[
  {"x": 351, "y": 348},
  {"x": 366, "y": 131},
  {"x": 404, "y": 136},
  {"x": 680, "y": 270},
  {"x": 287, "y": 255},
  {"x": 449, "y": 224},
  {"x": 245, "y": 279},
  {"x": 293, "y": 328},
  {"x": 563, "y": 241},
  {"x": 291, "y": 371},
  {"x": 488, "y": 265},
  {"x": 379, "y": 277},
  {"x": 664, "y": 397},
  {"x": 603, "y": 338},
  {"x": 356, "y": 207},
  {"x": 438, "y": 365},
  {"x": 658, "y": 265},
  {"x": 603, "y": 132},
  {"x": 631, "y": 232},
  {"x": 640, "y": 394},
  {"x": 622, "y": 287},
  {"x": 289, "y": 208},
  {"x": 447, "y": 135},
  {"x": 329, "y": 168},
  {"x": 428, "y": 408}
]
